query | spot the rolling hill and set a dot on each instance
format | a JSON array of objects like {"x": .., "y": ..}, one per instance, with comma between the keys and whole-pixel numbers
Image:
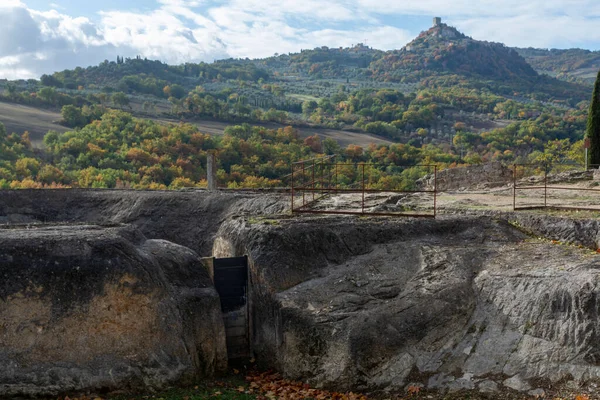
[
  {"x": 445, "y": 98},
  {"x": 441, "y": 78},
  {"x": 572, "y": 64},
  {"x": 443, "y": 49},
  {"x": 19, "y": 118}
]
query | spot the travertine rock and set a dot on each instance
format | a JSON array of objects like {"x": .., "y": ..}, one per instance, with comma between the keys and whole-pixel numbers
[
  {"x": 89, "y": 308},
  {"x": 356, "y": 304}
]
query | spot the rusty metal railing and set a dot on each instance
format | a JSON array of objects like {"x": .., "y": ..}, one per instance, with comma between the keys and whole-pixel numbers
[
  {"x": 317, "y": 179},
  {"x": 543, "y": 180}
]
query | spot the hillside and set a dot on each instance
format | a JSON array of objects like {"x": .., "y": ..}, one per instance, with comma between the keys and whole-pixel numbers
[
  {"x": 19, "y": 118},
  {"x": 150, "y": 76},
  {"x": 445, "y": 98},
  {"x": 576, "y": 65},
  {"x": 443, "y": 49},
  {"x": 324, "y": 62},
  {"x": 285, "y": 81}
]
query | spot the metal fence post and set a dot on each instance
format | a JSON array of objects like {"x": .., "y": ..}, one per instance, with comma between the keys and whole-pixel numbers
[
  {"x": 435, "y": 191},
  {"x": 336, "y": 178},
  {"x": 329, "y": 178},
  {"x": 322, "y": 178},
  {"x": 363, "y": 188},
  {"x": 293, "y": 167},
  {"x": 545, "y": 186},
  {"x": 303, "y": 184},
  {"x": 313, "y": 181},
  {"x": 514, "y": 187}
]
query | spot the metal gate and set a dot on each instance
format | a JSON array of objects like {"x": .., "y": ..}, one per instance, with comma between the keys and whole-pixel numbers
[{"x": 231, "y": 282}]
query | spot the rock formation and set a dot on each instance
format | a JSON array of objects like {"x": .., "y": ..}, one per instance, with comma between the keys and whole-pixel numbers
[
  {"x": 461, "y": 303},
  {"x": 102, "y": 308},
  {"x": 472, "y": 177},
  {"x": 458, "y": 303}
]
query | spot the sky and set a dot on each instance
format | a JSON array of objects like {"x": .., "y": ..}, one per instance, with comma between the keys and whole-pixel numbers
[{"x": 38, "y": 37}]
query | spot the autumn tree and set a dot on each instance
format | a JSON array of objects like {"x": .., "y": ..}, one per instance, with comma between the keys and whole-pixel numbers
[
  {"x": 593, "y": 125},
  {"x": 460, "y": 126},
  {"x": 354, "y": 152},
  {"x": 313, "y": 143}
]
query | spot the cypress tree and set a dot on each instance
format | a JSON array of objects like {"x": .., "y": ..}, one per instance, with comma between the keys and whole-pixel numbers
[{"x": 593, "y": 126}]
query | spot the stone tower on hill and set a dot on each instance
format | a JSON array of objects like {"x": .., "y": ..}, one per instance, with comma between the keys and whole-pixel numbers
[{"x": 437, "y": 21}]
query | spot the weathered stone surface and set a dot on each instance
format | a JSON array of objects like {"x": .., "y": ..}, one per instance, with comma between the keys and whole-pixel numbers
[
  {"x": 89, "y": 308},
  {"x": 516, "y": 383},
  {"x": 537, "y": 393},
  {"x": 471, "y": 177},
  {"x": 188, "y": 218},
  {"x": 488, "y": 386},
  {"x": 369, "y": 304},
  {"x": 362, "y": 304}
]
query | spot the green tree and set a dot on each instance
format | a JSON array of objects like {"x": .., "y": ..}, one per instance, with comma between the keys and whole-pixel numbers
[
  {"x": 331, "y": 147},
  {"x": 593, "y": 124},
  {"x": 72, "y": 116},
  {"x": 11, "y": 88},
  {"x": 120, "y": 99},
  {"x": 48, "y": 94},
  {"x": 309, "y": 106},
  {"x": 178, "y": 91},
  {"x": 51, "y": 140}
]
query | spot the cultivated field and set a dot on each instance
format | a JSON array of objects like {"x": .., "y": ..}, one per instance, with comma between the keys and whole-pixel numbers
[
  {"x": 344, "y": 138},
  {"x": 18, "y": 118}
]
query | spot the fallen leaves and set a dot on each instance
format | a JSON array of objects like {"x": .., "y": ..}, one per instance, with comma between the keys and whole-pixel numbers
[
  {"x": 82, "y": 398},
  {"x": 413, "y": 390},
  {"x": 272, "y": 386}
]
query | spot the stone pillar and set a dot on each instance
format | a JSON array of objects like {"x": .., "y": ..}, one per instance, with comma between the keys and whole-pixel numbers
[{"x": 211, "y": 171}]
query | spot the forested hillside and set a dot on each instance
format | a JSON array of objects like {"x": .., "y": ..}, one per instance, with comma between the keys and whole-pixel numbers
[
  {"x": 575, "y": 65},
  {"x": 443, "y": 49},
  {"x": 444, "y": 98}
]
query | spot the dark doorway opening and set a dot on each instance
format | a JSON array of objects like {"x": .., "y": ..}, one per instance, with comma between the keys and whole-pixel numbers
[{"x": 231, "y": 282}]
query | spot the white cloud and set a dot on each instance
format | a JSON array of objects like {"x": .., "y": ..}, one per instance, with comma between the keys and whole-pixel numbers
[
  {"x": 34, "y": 42},
  {"x": 480, "y": 8},
  {"x": 527, "y": 31},
  {"x": 331, "y": 10},
  {"x": 162, "y": 35},
  {"x": 11, "y": 4}
]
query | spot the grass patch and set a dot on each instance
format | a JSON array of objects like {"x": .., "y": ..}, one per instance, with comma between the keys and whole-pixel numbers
[{"x": 263, "y": 221}]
